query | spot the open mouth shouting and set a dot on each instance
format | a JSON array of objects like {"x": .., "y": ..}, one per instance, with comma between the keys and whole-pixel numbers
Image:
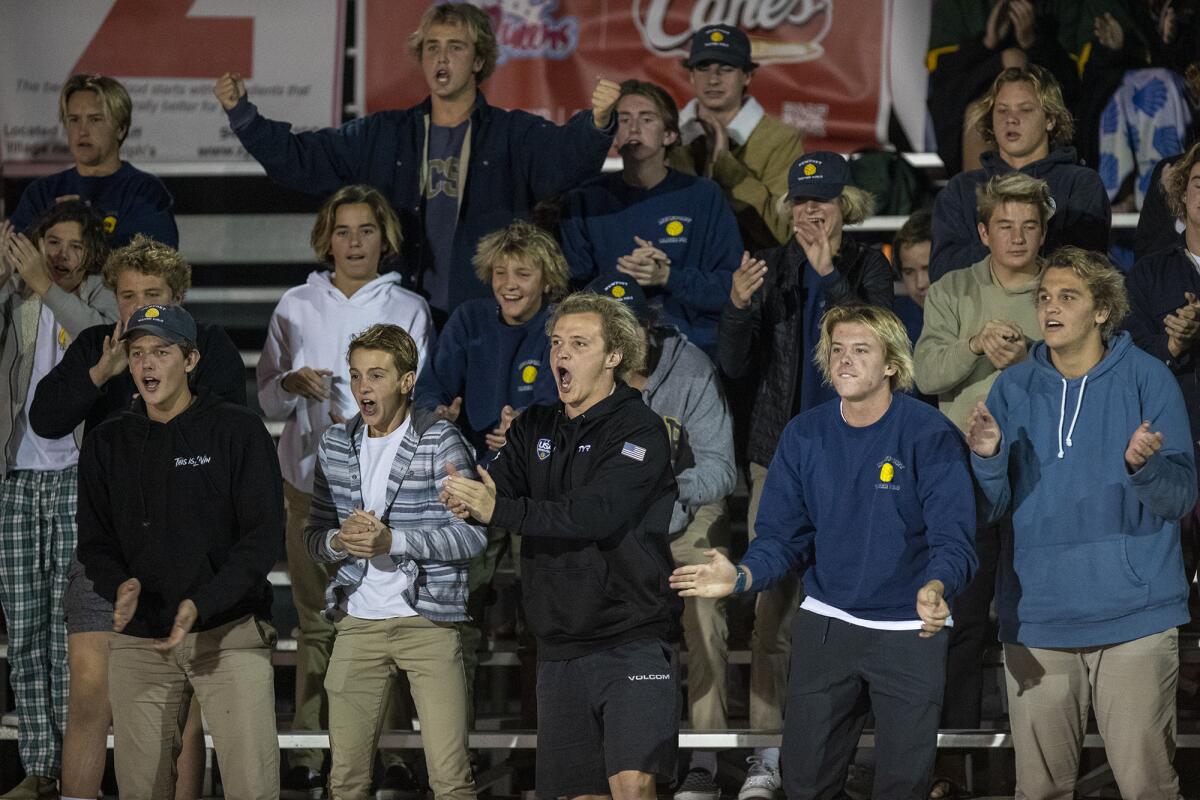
[
  {"x": 368, "y": 407},
  {"x": 150, "y": 384},
  {"x": 564, "y": 378}
]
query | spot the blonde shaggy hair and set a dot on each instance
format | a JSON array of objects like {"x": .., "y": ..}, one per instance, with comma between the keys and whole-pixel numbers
[
  {"x": 619, "y": 327},
  {"x": 385, "y": 218},
  {"x": 118, "y": 107},
  {"x": 1014, "y": 187},
  {"x": 479, "y": 28},
  {"x": 149, "y": 257},
  {"x": 1103, "y": 281},
  {"x": 1049, "y": 94},
  {"x": 887, "y": 328},
  {"x": 1176, "y": 181},
  {"x": 856, "y": 205},
  {"x": 524, "y": 243}
]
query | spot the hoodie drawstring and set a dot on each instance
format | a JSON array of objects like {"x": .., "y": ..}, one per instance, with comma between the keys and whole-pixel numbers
[{"x": 1062, "y": 414}]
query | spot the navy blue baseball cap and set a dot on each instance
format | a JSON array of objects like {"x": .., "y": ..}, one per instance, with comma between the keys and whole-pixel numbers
[
  {"x": 626, "y": 290},
  {"x": 723, "y": 44},
  {"x": 169, "y": 323},
  {"x": 821, "y": 175}
]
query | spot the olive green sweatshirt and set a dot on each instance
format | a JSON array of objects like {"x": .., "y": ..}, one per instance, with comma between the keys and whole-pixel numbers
[{"x": 957, "y": 307}]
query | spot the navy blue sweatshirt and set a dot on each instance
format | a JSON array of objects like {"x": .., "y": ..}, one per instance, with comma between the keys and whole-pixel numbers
[
  {"x": 867, "y": 515},
  {"x": 130, "y": 202},
  {"x": 684, "y": 216},
  {"x": 490, "y": 364},
  {"x": 1082, "y": 215}
]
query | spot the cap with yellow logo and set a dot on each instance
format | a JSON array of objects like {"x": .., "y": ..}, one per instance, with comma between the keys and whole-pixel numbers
[
  {"x": 169, "y": 323},
  {"x": 820, "y": 176},
  {"x": 720, "y": 44}
]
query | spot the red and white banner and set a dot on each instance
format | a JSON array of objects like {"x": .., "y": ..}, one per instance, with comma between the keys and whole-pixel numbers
[
  {"x": 824, "y": 63},
  {"x": 167, "y": 53}
]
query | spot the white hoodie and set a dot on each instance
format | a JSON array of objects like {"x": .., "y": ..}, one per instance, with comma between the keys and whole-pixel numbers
[{"x": 312, "y": 326}]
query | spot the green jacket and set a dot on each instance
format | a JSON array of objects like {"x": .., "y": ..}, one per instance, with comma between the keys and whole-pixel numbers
[{"x": 753, "y": 172}]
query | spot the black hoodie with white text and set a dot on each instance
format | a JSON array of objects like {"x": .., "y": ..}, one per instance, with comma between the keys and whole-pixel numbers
[{"x": 192, "y": 508}]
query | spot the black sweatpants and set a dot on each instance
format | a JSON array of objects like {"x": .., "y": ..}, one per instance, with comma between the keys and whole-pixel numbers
[{"x": 841, "y": 671}]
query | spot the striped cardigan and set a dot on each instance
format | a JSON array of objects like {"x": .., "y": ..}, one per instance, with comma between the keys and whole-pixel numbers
[{"x": 436, "y": 545}]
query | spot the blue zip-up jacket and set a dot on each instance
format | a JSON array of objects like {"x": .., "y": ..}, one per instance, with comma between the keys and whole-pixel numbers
[
  {"x": 1094, "y": 558},
  {"x": 867, "y": 515},
  {"x": 686, "y": 217},
  {"x": 489, "y": 364},
  {"x": 1082, "y": 215},
  {"x": 516, "y": 159}
]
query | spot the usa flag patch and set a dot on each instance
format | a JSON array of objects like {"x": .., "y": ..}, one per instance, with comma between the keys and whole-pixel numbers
[{"x": 633, "y": 451}]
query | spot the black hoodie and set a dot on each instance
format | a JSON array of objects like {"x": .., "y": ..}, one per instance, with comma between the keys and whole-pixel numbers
[
  {"x": 592, "y": 498},
  {"x": 193, "y": 508}
]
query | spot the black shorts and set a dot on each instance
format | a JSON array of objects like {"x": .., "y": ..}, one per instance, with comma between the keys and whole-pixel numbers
[
  {"x": 604, "y": 713},
  {"x": 84, "y": 610}
]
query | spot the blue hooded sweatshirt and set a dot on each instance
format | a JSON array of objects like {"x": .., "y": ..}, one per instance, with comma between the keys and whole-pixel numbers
[
  {"x": 490, "y": 364},
  {"x": 1094, "y": 557}
]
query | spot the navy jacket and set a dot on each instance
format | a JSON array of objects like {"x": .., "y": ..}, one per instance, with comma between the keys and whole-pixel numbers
[
  {"x": 516, "y": 160},
  {"x": 1157, "y": 284},
  {"x": 1082, "y": 216}
]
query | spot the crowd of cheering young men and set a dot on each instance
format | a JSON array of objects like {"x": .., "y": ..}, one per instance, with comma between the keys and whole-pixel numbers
[{"x": 473, "y": 368}]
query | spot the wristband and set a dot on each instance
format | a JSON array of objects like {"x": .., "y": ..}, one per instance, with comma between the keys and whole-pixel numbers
[{"x": 739, "y": 585}]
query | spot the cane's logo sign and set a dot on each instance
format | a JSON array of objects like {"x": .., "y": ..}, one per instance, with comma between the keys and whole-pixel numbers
[
  {"x": 771, "y": 25},
  {"x": 528, "y": 29}
]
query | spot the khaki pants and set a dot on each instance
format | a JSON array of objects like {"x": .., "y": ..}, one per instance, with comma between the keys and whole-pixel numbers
[
  {"x": 315, "y": 642},
  {"x": 705, "y": 629},
  {"x": 365, "y": 655},
  {"x": 229, "y": 670},
  {"x": 1131, "y": 688},
  {"x": 771, "y": 642}
]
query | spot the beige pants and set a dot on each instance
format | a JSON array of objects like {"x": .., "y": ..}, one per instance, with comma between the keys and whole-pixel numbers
[
  {"x": 771, "y": 642},
  {"x": 229, "y": 670},
  {"x": 315, "y": 642},
  {"x": 705, "y": 629},
  {"x": 1131, "y": 688},
  {"x": 365, "y": 654}
]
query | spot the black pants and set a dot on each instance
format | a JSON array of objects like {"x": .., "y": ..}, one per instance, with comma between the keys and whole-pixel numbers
[
  {"x": 973, "y": 631},
  {"x": 840, "y": 672}
]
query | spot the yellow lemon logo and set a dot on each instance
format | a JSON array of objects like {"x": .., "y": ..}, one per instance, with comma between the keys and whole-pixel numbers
[
  {"x": 886, "y": 473},
  {"x": 810, "y": 169},
  {"x": 151, "y": 313},
  {"x": 716, "y": 36},
  {"x": 62, "y": 337},
  {"x": 110, "y": 223},
  {"x": 529, "y": 374},
  {"x": 618, "y": 291},
  {"x": 674, "y": 228}
]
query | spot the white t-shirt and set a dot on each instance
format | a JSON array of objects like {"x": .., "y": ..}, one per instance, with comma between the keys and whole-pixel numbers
[
  {"x": 27, "y": 450},
  {"x": 825, "y": 610},
  {"x": 381, "y": 593}
]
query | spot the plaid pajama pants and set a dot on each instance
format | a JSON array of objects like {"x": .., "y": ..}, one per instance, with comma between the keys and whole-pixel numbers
[{"x": 37, "y": 542}]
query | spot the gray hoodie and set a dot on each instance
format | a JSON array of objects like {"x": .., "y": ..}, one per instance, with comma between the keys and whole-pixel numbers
[{"x": 684, "y": 390}]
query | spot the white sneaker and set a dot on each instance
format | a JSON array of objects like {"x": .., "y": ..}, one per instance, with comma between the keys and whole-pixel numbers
[{"x": 761, "y": 782}]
